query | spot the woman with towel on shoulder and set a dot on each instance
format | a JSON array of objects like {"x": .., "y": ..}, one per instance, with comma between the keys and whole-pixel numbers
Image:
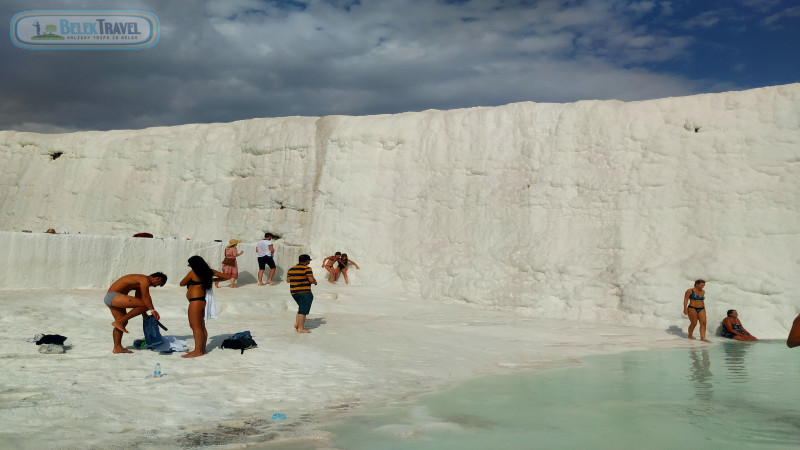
[
  {"x": 229, "y": 266},
  {"x": 198, "y": 284}
]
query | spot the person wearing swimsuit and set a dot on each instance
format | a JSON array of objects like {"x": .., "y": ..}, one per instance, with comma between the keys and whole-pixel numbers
[
  {"x": 342, "y": 267},
  {"x": 694, "y": 307},
  {"x": 119, "y": 301},
  {"x": 732, "y": 328},
  {"x": 327, "y": 264},
  {"x": 197, "y": 282}
]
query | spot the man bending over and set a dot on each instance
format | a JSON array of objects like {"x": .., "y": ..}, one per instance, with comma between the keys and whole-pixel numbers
[{"x": 118, "y": 301}]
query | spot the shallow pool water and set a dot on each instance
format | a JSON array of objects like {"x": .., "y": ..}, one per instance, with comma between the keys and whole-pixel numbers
[{"x": 729, "y": 395}]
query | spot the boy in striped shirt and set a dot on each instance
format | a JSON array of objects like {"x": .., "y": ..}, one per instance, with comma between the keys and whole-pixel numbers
[{"x": 300, "y": 278}]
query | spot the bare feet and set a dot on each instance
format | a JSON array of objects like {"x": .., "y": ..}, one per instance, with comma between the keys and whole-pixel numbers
[
  {"x": 121, "y": 350},
  {"x": 272, "y": 282},
  {"x": 331, "y": 282},
  {"x": 192, "y": 354},
  {"x": 691, "y": 338},
  {"x": 705, "y": 340},
  {"x": 234, "y": 287},
  {"x": 119, "y": 327},
  {"x": 303, "y": 330},
  {"x": 261, "y": 284}
]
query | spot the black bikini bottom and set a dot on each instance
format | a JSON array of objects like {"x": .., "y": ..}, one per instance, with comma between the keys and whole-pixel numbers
[{"x": 202, "y": 299}]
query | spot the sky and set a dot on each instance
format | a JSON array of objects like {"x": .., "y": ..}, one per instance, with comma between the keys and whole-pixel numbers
[{"x": 222, "y": 61}]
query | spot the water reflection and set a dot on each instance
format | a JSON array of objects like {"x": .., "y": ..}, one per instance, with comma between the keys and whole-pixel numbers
[
  {"x": 667, "y": 399},
  {"x": 700, "y": 374},
  {"x": 734, "y": 360}
]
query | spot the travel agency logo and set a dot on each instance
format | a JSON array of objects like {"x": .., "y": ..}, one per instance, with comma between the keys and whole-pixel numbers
[{"x": 84, "y": 30}]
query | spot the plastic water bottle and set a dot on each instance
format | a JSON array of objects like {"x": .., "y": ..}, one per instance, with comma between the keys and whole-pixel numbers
[{"x": 157, "y": 371}]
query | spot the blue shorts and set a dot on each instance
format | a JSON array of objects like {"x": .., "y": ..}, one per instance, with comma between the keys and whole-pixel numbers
[
  {"x": 265, "y": 261},
  {"x": 303, "y": 300}
]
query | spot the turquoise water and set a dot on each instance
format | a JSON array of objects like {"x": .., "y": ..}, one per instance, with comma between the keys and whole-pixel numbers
[{"x": 729, "y": 395}]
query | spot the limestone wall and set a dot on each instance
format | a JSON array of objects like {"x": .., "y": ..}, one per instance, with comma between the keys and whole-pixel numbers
[{"x": 596, "y": 210}]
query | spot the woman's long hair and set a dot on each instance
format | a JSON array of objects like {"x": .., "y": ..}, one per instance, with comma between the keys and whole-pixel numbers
[{"x": 200, "y": 267}]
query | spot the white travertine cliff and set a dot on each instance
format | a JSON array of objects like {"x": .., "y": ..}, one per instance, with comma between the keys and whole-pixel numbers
[{"x": 597, "y": 210}]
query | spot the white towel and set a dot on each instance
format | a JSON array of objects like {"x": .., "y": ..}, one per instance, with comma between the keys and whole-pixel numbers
[
  {"x": 170, "y": 344},
  {"x": 212, "y": 312}
]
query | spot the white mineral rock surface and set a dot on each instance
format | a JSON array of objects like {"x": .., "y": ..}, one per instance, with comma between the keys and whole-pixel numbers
[{"x": 534, "y": 232}]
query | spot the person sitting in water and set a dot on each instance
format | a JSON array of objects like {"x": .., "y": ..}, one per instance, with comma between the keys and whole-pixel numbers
[{"x": 732, "y": 328}]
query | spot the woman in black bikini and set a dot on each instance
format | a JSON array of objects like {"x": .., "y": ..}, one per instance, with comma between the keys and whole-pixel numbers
[
  {"x": 694, "y": 307},
  {"x": 342, "y": 267},
  {"x": 197, "y": 282}
]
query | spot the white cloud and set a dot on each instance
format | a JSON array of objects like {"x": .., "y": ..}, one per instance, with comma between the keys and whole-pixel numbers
[
  {"x": 238, "y": 59},
  {"x": 641, "y": 8},
  {"x": 706, "y": 19},
  {"x": 774, "y": 20}
]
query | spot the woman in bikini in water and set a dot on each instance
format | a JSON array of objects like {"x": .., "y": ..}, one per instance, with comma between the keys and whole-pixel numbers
[
  {"x": 732, "y": 328},
  {"x": 197, "y": 282},
  {"x": 694, "y": 307}
]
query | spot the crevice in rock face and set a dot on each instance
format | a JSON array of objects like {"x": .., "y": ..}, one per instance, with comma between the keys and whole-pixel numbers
[
  {"x": 282, "y": 206},
  {"x": 56, "y": 155}
]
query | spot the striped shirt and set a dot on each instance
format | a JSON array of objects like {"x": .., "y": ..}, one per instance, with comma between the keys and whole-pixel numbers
[{"x": 298, "y": 280}]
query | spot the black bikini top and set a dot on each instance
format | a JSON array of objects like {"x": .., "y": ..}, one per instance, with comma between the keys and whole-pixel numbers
[{"x": 193, "y": 283}]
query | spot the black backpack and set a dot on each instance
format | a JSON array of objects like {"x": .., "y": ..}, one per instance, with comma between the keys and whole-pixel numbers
[{"x": 239, "y": 341}]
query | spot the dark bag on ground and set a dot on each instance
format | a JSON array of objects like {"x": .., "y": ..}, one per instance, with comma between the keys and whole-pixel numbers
[
  {"x": 239, "y": 341},
  {"x": 51, "y": 339}
]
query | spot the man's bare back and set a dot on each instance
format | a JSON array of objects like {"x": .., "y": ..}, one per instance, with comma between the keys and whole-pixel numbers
[{"x": 129, "y": 283}]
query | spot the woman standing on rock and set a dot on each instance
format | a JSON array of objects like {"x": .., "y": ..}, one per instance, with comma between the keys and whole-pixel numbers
[
  {"x": 694, "y": 307},
  {"x": 229, "y": 266}
]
